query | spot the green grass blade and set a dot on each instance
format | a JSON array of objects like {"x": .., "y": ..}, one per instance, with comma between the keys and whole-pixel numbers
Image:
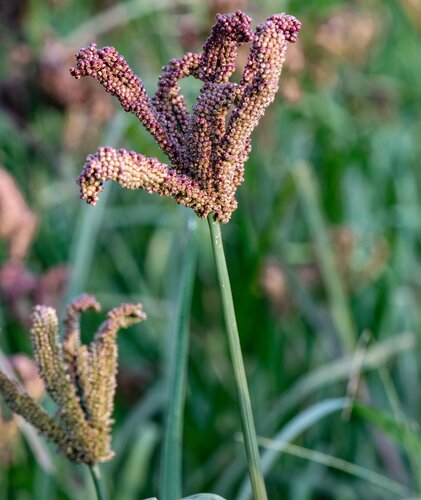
[
  {"x": 151, "y": 404},
  {"x": 293, "y": 429},
  {"x": 339, "y": 464},
  {"x": 88, "y": 225},
  {"x": 134, "y": 473},
  {"x": 308, "y": 190},
  {"x": 409, "y": 437},
  {"x": 114, "y": 17},
  {"x": 391, "y": 425},
  {"x": 334, "y": 372},
  {"x": 171, "y": 465},
  {"x": 328, "y": 374}
]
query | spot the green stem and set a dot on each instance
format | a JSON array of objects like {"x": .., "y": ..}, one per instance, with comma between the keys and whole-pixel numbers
[
  {"x": 98, "y": 483},
  {"x": 171, "y": 467},
  {"x": 247, "y": 422},
  {"x": 341, "y": 315}
]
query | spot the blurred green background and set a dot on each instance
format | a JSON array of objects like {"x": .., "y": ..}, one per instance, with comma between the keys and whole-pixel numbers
[{"x": 323, "y": 251}]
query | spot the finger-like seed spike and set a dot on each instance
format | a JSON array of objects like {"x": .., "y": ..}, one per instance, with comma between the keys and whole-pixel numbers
[
  {"x": 134, "y": 171},
  {"x": 206, "y": 129},
  {"x": 83, "y": 377},
  {"x": 259, "y": 86},
  {"x": 168, "y": 102},
  {"x": 22, "y": 404},
  {"x": 53, "y": 371},
  {"x": 111, "y": 70},
  {"x": 220, "y": 50},
  {"x": 48, "y": 353},
  {"x": 25, "y": 406},
  {"x": 103, "y": 354},
  {"x": 71, "y": 336},
  {"x": 289, "y": 25},
  {"x": 207, "y": 155},
  {"x": 127, "y": 168},
  {"x": 81, "y": 427}
]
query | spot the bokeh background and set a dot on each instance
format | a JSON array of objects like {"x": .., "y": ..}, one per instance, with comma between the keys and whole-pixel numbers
[{"x": 323, "y": 251}]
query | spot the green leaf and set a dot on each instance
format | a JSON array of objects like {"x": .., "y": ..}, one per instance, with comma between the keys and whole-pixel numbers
[
  {"x": 204, "y": 496},
  {"x": 88, "y": 226},
  {"x": 308, "y": 190},
  {"x": 296, "y": 426},
  {"x": 134, "y": 473},
  {"x": 171, "y": 465},
  {"x": 394, "y": 427}
]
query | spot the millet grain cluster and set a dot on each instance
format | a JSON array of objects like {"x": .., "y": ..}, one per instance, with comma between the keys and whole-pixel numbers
[{"x": 208, "y": 148}]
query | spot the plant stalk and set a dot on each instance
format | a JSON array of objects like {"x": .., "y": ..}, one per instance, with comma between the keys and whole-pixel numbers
[
  {"x": 247, "y": 422},
  {"x": 98, "y": 483}
]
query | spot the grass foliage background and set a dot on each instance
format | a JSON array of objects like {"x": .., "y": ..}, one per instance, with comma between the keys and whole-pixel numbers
[{"x": 323, "y": 251}]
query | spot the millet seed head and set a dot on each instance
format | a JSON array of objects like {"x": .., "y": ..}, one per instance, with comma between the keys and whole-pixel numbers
[{"x": 207, "y": 148}]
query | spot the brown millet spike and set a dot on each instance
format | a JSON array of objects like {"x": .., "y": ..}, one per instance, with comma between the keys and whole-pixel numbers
[{"x": 207, "y": 157}]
